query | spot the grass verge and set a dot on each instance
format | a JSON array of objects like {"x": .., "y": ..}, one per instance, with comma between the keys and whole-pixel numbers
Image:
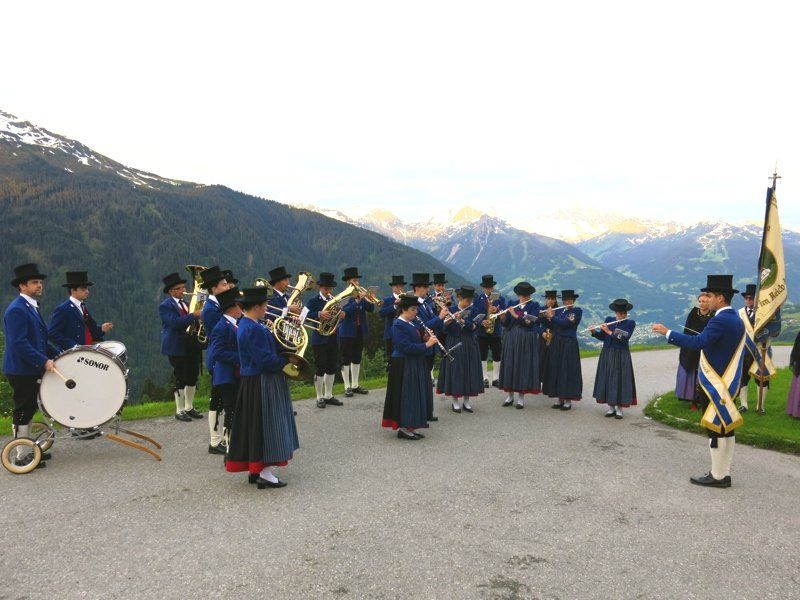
[{"x": 775, "y": 430}]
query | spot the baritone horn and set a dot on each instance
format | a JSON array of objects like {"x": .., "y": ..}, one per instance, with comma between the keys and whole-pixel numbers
[{"x": 197, "y": 298}]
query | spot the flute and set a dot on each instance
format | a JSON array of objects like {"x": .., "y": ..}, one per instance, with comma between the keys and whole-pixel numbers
[
  {"x": 600, "y": 324},
  {"x": 444, "y": 350},
  {"x": 541, "y": 312}
]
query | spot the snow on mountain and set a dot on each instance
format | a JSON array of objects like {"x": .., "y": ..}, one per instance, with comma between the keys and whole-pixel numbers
[{"x": 24, "y": 135}]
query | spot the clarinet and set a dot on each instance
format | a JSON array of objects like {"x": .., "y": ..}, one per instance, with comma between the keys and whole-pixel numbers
[{"x": 444, "y": 350}]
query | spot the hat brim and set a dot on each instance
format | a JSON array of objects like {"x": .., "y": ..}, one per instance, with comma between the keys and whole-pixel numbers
[
  {"x": 167, "y": 288},
  {"x": 524, "y": 292},
  {"x": 78, "y": 284},
  {"x": 620, "y": 308},
  {"x": 17, "y": 280},
  {"x": 719, "y": 290},
  {"x": 573, "y": 296},
  {"x": 485, "y": 284},
  {"x": 274, "y": 281},
  {"x": 330, "y": 284},
  {"x": 356, "y": 276}
]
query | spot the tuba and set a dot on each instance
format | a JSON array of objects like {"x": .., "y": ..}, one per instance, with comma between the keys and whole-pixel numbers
[
  {"x": 198, "y": 298},
  {"x": 334, "y": 306},
  {"x": 288, "y": 329}
]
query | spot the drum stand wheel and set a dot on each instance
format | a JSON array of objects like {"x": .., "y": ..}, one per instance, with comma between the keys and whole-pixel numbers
[
  {"x": 21, "y": 446},
  {"x": 43, "y": 434}
]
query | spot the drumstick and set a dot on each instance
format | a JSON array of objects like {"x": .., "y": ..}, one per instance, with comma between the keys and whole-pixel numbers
[{"x": 70, "y": 383}]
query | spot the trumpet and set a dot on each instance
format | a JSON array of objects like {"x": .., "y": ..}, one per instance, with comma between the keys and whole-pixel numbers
[{"x": 369, "y": 294}]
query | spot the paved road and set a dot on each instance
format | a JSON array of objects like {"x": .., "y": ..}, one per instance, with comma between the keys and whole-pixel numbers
[{"x": 499, "y": 504}]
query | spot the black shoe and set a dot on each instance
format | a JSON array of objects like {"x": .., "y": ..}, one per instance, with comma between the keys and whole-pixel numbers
[
  {"x": 182, "y": 416},
  {"x": 508, "y": 402},
  {"x": 433, "y": 419},
  {"x": 334, "y": 401},
  {"x": 418, "y": 435},
  {"x": 454, "y": 409},
  {"x": 46, "y": 456},
  {"x": 708, "y": 480},
  {"x": 194, "y": 414},
  {"x": 218, "y": 449},
  {"x": 468, "y": 409},
  {"x": 617, "y": 416},
  {"x": 360, "y": 390},
  {"x": 496, "y": 383},
  {"x": 520, "y": 405},
  {"x": 294, "y": 413},
  {"x": 742, "y": 409},
  {"x": 557, "y": 406},
  {"x": 566, "y": 407},
  {"x": 321, "y": 403},
  {"x": 406, "y": 436},
  {"x": 251, "y": 478},
  {"x": 264, "y": 483},
  {"x": 348, "y": 393},
  {"x": 486, "y": 383}
]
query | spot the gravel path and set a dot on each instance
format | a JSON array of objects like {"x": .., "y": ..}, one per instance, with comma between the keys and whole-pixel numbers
[{"x": 503, "y": 503}]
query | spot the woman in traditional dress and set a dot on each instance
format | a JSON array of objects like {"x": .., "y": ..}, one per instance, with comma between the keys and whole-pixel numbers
[
  {"x": 461, "y": 378},
  {"x": 264, "y": 435},
  {"x": 408, "y": 389},
  {"x": 689, "y": 360},
  {"x": 546, "y": 338},
  {"x": 565, "y": 380},
  {"x": 614, "y": 383},
  {"x": 793, "y": 401},
  {"x": 519, "y": 371}
]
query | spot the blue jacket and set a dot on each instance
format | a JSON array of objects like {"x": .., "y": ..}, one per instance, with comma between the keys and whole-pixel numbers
[
  {"x": 222, "y": 357},
  {"x": 531, "y": 309},
  {"x": 26, "y": 340},
  {"x": 482, "y": 303},
  {"x": 388, "y": 312},
  {"x": 428, "y": 316},
  {"x": 718, "y": 340},
  {"x": 314, "y": 306},
  {"x": 565, "y": 322},
  {"x": 278, "y": 301},
  {"x": 469, "y": 327},
  {"x": 258, "y": 351},
  {"x": 67, "y": 327},
  {"x": 173, "y": 328},
  {"x": 211, "y": 314},
  {"x": 347, "y": 328},
  {"x": 620, "y": 333},
  {"x": 406, "y": 340}
]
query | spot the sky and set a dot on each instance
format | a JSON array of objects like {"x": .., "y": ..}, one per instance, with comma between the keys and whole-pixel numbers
[{"x": 674, "y": 111}]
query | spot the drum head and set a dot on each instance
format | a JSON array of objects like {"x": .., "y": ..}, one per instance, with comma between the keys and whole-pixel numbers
[
  {"x": 116, "y": 348},
  {"x": 99, "y": 393}
]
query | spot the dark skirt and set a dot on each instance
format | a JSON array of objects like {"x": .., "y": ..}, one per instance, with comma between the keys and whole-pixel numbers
[
  {"x": 564, "y": 378},
  {"x": 544, "y": 359},
  {"x": 686, "y": 384},
  {"x": 463, "y": 376},
  {"x": 409, "y": 393},
  {"x": 519, "y": 367},
  {"x": 264, "y": 432},
  {"x": 615, "y": 383}
]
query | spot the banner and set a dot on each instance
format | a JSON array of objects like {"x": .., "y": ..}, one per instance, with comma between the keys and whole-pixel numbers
[{"x": 771, "y": 292}]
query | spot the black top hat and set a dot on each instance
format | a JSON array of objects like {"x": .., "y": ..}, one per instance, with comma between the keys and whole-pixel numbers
[
  {"x": 423, "y": 279},
  {"x": 277, "y": 274},
  {"x": 211, "y": 276},
  {"x": 407, "y": 301},
  {"x": 568, "y": 294},
  {"x": 523, "y": 288},
  {"x": 720, "y": 284},
  {"x": 77, "y": 279},
  {"x": 551, "y": 294},
  {"x": 750, "y": 290},
  {"x": 487, "y": 281},
  {"x": 229, "y": 297},
  {"x": 466, "y": 291},
  {"x": 398, "y": 280},
  {"x": 255, "y": 295},
  {"x": 25, "y": 273},
  {"x": 620, "y": 305},
  {"x": 351, "y": 273},
  {"x": 228, "y": 275},
  {"x": 171, "y": 280},
  {"x": 439, "y": 278},
  {"x": 326, "y": 280}
]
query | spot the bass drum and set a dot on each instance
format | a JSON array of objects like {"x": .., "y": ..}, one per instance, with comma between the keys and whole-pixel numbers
[
  {"x": 116, "y": 348},
  {"x": 100, "y": 390}
]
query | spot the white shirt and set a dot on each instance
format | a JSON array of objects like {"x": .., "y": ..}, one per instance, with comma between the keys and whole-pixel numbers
[
  {"x": 213, "y": 298},
  {"x": 231, "y": 320},
  {"x": 179, "y": 302},
  {"x": 77, "y": 303},
  {"x": 30, "y": 300}
]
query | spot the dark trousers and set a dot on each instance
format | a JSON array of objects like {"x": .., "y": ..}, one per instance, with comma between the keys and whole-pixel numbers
[
  {"x": 227, "y": 394},
  {"x": 215, "y": 401},
  {"x": 186, "y": 369},
  {"x": 489, "y": 343},
  {"x": 325, "y": 356},
  {"x": 26, "y": 393},
  {"x": 351, "y": 350}
]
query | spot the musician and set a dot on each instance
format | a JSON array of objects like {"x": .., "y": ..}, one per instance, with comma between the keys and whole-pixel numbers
[
  {"x": 279, "y": 280},
  {"x": 688, "y": 360},
  {"x": 408, "y": 391},
  {"x": 388, "y": 312},
  {"x": 520, "y": 358},
  {"x": 325, "y": 347},
  {"x": 460, "y": 379},
  {"x": 614, "y": 383},
  {"x": 748, "y": 316},
  {"x": 439, "y": 281},
  {"x": 222, "y": 361},
  {"x": 214, "y": 281},
  {"x": 228, "y": 275},
  {"x": 546, "y": 339},
  {"x": 490, "y": 341},
  {"x": 564, "y": 364},
  {"x": 353, "y": 330},
  {"x": 722, "y": 345},
  {"x": 71, "y": 324},
  {"x": 27, "y": 353},
  {"x": 264, "y": 434},
  {"x": 426, "y": 317},
  {"x": 184, "y": 356}
]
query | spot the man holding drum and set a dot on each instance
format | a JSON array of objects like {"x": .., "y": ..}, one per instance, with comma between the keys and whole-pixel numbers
[{"x": 28, "y": 354}]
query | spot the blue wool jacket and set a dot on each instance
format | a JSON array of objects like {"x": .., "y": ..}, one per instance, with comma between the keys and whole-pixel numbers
[
  {"x": 620, "y": 333},
  {"x": 258, "y": 350},
  {"x": 314, "y": 306},
  {"x": 406, "y": 340},
  {"x": 222, "y": 357},
  {"x": 173, "y": 328},
  {"x": 210, "y": 316},
  {"x": 482, "y": 302},
  {"x": 347, "y": 328},
  {"x": 67, "y": 327},
  {"x": 530, "y": 310},
  {"x": 565, "y": 322},
  {"x": 718, "y": 340},
  {"x": 388, "y": 312},
  {"x": 27, "y": 348}
]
